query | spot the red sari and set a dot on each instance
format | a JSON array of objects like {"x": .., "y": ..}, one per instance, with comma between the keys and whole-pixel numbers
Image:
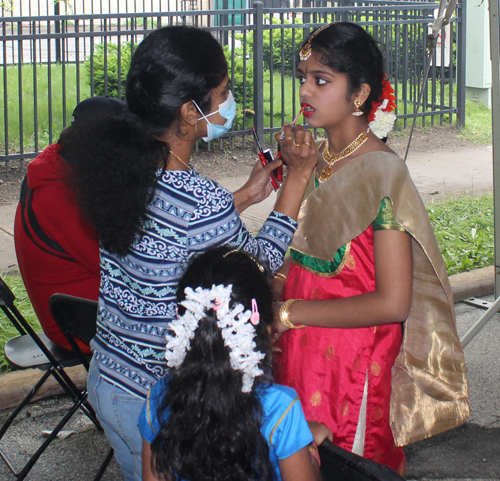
[{"x": 328, "y": 367}]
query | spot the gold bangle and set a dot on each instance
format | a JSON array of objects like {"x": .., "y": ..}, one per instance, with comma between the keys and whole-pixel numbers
[
  {"x": 313, "y": 451},
  {"x": 279, "y": 275},
  {"x": 285, "y": 315}
]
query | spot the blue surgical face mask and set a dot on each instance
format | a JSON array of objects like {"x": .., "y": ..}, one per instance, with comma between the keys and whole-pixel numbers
[{"x": 227, "y": 110}]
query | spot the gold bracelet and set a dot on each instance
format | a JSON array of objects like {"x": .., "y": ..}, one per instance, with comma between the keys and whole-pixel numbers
[
  {"x": 313, "y": 451},
  {"x": 285, "y": 315},
  {"x": 279, "y": 275}
]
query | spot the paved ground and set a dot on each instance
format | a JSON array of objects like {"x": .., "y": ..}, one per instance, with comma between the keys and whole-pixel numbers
[
  {"x": 436, "y": 175},
  {"x": 469, "y": 453}
]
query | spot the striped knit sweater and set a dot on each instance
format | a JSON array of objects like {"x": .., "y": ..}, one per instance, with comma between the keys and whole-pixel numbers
[{"x": 188, "y": 215}]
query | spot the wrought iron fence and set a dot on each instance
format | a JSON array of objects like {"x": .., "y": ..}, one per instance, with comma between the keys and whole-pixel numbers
[{"x": 48, "y": 63}]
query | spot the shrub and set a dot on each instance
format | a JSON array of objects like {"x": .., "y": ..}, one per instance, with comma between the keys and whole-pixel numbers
[{"x": 105, "y": 65}]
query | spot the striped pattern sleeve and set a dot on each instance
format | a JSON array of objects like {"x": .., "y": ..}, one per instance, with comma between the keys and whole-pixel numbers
[{"x": 215, "y": 221}]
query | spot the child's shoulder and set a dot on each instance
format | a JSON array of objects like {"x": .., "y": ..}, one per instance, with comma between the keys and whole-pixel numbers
[{"x": 277, "y": 397}]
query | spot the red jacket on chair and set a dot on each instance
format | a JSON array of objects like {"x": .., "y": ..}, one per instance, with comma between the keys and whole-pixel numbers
[{"x": 57, "y": 249}]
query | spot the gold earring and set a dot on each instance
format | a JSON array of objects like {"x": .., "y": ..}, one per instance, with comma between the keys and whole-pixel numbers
[{"x": 358, "y": 104}]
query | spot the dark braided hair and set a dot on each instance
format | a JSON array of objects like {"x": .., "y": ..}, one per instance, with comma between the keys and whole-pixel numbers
[
  {"x": 115, "y": 157},
  {"x": 213, "y": 431},
  {"x": 348, "y": 49}
]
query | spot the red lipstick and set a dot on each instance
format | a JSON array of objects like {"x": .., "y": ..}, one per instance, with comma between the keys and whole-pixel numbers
[{"x": 307, "y": 110}]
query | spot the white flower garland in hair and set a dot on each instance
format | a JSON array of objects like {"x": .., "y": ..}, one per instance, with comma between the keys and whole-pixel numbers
[
  {"x": 237, "y": 327},
  {"x": 383, "y": 123}
]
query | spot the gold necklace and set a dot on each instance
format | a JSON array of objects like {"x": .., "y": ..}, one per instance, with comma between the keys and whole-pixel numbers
[
  {"x": 332, "y": 159},
  {"x": 179, "y": 159}
]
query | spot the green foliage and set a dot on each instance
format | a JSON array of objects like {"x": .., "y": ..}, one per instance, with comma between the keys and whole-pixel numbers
[
  {"x": 22, "y": 302},
  {"x": 477, "y": 123},
  {"x": 241, "y": 68},
  {"x": 53, "y": 87},
  {"x": 464, "y": 230},
  {"x": 280, "y": 46},
  {"x": 110, "y": 60}
]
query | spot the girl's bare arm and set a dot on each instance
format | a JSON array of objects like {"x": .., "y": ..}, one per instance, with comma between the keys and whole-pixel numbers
[
  {"x": 389, "y": 303},
  {"x": 300, "y": 466}
]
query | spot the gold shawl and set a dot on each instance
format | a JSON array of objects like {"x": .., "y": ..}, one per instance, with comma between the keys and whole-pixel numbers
[{"x": 429, "y": 382}]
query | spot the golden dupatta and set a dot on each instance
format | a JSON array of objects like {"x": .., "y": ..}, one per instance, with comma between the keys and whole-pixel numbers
[{"x": 429, "y": 382}]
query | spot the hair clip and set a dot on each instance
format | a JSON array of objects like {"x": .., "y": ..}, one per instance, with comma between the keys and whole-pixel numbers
[
  {"x": 261, "y": 269},
  {"x": 255, "y": 317},
  {"x": 306, "y": 50},
  {"x": 217, "y": 305}
]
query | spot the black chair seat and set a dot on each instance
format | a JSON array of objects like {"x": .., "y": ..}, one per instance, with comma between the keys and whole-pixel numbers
[
  {"x": 34, "y": 350},
  {"x": 23, "y": 353}
]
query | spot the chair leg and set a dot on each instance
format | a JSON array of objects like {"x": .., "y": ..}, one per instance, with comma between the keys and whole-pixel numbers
[
  {"x": 51, "y": 437},
  {"x": 70, "y": 388},
  {"x": 104, "y": 465},
  {"x": 34, "y": 458},
  {"x": 25, "y": 401}
]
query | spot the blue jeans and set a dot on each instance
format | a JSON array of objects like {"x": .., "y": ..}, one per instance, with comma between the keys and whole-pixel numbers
[{"x": 118, "y": 412}]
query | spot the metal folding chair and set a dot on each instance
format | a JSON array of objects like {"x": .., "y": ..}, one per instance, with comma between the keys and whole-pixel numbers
[
  {"x": 35, "y": 350},
  {"x": 76, "y": 318},
  {"x": 337, "y": 464}
]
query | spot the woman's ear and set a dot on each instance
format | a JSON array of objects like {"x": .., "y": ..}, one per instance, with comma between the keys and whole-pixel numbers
[
  {"x": 189, "y": 113},
  {"x": 363, "y": 93}
]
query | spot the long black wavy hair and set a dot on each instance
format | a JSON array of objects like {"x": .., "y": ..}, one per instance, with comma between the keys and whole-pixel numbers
[
  {"x": 347, "y": 48},
  {"x": 115, "y": 157},
  {"x": 213, "y": 432}
]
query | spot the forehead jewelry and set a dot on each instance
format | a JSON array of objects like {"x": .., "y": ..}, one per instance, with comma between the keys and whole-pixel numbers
[
  {"x": 306, "y": 50},
  {"x": 332, "y": 159}
]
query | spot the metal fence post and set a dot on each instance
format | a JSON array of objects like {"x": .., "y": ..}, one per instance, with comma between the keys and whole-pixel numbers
[
  {"x": 461, "y": 29},
  {"x": 57, "y": 25},
  {"x": 258, "y": 68}
]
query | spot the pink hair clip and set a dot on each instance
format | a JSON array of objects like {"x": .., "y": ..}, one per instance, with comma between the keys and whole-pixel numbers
[
  {"x": 217, "y": 305},
  {"x": 255, "y": 318}
]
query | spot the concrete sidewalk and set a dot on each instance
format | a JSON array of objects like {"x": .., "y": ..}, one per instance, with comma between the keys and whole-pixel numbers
[
  {"x": 436, "y": 175},
  {"x": 468, "y": 453}
]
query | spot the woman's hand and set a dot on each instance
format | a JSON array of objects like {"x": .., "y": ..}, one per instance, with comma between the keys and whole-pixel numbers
[
  {"x": 258, "y": 186},
  {"x": 320, "y": 432},
  {"x": 299, "y": 153},
  {"x": 298, "y": 149}
]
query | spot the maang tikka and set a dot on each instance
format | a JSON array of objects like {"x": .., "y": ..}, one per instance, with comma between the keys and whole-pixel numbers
[{"x": 306, "y": 50}]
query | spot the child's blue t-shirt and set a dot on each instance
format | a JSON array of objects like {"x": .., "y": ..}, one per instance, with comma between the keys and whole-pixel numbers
[{"x": 284, "y": 426}]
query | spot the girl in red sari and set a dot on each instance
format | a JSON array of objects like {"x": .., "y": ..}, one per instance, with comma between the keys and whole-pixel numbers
[{"x": 363, "y": 262}]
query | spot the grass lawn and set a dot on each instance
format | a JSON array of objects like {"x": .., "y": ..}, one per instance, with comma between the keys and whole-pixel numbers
[{"x": 22, "y": 302}]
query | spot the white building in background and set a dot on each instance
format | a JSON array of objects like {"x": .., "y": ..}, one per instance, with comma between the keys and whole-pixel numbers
[
  {"x": 17, "y": 8},
  {"x": 478, "y": 62}
]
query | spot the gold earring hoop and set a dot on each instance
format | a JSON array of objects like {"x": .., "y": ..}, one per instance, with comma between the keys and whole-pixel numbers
[{"x": 358, "y": 112}]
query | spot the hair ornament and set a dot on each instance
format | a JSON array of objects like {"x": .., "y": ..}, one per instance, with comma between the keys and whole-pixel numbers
[
  {"x": 381, "y": 117},
  {"x": 238, "y": 334},
  {"x": 255, "y": 318},
  {"x": 306, "y": 50},
  {"x": 261, "y": 269}
]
